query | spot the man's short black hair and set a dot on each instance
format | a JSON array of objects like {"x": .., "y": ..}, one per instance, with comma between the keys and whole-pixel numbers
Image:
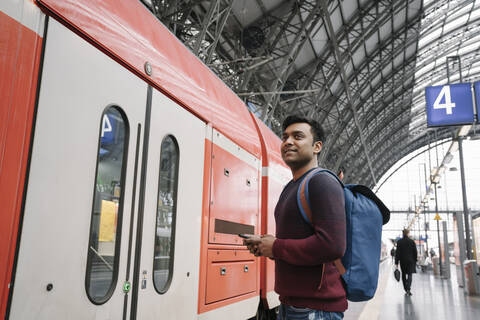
[{"x": 316, "y": 129}]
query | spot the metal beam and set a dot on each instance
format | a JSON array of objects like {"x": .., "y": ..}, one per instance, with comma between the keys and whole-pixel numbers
[
  {"x": 331, "y": 33},
  {"x": 398, "y": 151},
  {"x": 289, "y": 59},
  {"x": 371, "y": 114},
  {"x": 406, "y": 162},
  {"x": 218, "y": 31},
  {"x": 384, "y": 46},
  {"x": 277, "y": 92},
  {"x": 206, "y": 22}
]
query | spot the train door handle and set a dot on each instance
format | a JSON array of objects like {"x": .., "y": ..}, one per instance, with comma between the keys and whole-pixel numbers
[
  {"x": 223, "y": 271},
  {"x": 245, "y": 268}
]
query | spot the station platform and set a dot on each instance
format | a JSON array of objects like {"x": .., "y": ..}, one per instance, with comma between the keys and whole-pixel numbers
[{"x": 433, "y": 298}]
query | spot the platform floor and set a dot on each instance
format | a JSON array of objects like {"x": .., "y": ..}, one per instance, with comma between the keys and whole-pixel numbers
[{"x": 433, "y": 298}]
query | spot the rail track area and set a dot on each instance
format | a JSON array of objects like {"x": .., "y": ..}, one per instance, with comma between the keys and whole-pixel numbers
[{"x": 432, "y": 298}]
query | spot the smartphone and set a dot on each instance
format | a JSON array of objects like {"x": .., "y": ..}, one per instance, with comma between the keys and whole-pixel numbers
[{"x": 244, "y": 236}]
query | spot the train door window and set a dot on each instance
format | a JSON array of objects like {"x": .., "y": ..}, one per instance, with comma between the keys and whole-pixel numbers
[
  {"x": 166, "y": 215},
  {"x": 106, "y": 219}
]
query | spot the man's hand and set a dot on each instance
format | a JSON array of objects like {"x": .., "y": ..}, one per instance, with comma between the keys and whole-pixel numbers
[
  {"x": 252, "y": 244},
  {"x": 260, "y": 246}
]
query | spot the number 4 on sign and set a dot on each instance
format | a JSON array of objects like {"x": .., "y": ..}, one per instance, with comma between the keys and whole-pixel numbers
[{"x": 448, "y": 105}]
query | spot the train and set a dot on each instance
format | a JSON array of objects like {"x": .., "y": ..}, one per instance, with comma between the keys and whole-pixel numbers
[{"x": 127, "y": 171}]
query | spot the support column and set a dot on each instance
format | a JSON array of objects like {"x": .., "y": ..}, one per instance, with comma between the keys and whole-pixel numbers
[
  {"x": 461, "y": 246},
  {"x": 440, "y": 253},
  {"x": 466, "y": 215},
  {"x": 446, "y": 269}
]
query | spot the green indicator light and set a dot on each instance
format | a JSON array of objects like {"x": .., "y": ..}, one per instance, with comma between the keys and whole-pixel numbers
[{"x": 126, "y": 287}]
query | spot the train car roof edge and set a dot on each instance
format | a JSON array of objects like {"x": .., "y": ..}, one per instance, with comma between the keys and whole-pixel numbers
[
  {"x": 133, "y": 35},
  {"x": 271, "y": 144}
]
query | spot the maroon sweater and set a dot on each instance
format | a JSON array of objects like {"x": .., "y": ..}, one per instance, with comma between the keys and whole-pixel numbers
[{"x": 305, "y": 275}]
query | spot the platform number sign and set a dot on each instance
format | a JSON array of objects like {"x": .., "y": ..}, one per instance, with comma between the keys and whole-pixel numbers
[
  {"x": 476, "y": 89},
  {"x": 109, "y": 125},
  {"x": 449, "y": 105},
  {"x": 444, "y": 100}
]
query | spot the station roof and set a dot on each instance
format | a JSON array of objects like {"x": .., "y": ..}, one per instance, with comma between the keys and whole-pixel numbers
[{"x": 359, "y": 67}]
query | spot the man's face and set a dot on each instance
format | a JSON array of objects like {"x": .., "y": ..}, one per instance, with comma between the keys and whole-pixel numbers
[{"x": 297, "y": 146}]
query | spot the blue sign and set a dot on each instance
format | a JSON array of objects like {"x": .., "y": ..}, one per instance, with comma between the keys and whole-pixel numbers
[
  {"x": 109, "y": 125},
  {"x": 476, "y": 88},
  {"x": 449, "y": 105}
]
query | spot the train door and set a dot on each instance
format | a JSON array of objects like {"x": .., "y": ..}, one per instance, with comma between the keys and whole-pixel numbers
[
  {"x": 167, "y": 267},
  {"x": 82, "y": 193}
]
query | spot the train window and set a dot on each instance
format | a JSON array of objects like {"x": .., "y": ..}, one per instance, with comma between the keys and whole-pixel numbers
[
  {"x": 166, "y": 214},
  {"x": 106, "y": 220}
]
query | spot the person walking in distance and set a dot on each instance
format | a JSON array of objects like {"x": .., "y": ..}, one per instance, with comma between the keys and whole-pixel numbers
[
  {"x": 407, "y": 256},
  {"x": 306, "y": 279},
  {"x": 392, "y": 253}
]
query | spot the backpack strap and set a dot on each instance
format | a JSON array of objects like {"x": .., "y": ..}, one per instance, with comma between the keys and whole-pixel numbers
[
  {"x": 303, "y": 202},
  {"x": 303, "y": 198}
]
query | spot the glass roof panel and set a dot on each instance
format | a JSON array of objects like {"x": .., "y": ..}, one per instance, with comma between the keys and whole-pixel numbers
[
  {"x": 385, "y": 31},
  {"x": 399, "y": 19},
  {"x": 462, "y": 11},
  {"x": 469, "y": 48},
  {"x": 460, "y": 21},
  {"x": 435, "y": 34},
  {"x": 371, "y": 43},
  {"x": 475, "y": 13},
  {"x": 337, "y": 19},
  {"x": 348, "y": 9}
]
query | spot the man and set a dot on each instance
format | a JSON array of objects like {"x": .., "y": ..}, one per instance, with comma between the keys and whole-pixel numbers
[
  {"x": 407, "y": 255},
  {"x": 309, "y": 285},
  {"x": 392, "y": 253}
]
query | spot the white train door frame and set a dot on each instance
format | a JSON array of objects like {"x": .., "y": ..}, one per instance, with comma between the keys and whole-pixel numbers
[
  {"x": 168, "y": 238},
  {"x": 79, "y": 206}
]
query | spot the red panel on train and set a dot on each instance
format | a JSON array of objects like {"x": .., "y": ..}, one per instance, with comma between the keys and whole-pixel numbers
[
  {"x": 230, "y": 273},
  {"x": 18, "y": 69},
  {"x": 235, "y": 195},
  {"x": 115, "y": 26}
]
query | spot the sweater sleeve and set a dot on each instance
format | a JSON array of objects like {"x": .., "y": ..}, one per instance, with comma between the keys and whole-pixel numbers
[{"x": 328, "y": 242}]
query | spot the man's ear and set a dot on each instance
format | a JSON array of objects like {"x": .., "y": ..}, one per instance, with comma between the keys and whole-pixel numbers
[{"x": 317, "y": 147}]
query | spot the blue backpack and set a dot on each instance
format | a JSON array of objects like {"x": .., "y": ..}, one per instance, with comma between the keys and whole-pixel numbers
[{"x": 365, "y": 215}]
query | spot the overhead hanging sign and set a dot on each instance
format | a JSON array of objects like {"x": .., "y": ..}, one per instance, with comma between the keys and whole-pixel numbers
[
  {"x": 449, "y": 105},
  {"x": 476, "y": 89}
]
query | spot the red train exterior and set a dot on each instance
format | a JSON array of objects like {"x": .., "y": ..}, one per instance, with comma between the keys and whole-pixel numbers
[{"x": 243, "y": 173}]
